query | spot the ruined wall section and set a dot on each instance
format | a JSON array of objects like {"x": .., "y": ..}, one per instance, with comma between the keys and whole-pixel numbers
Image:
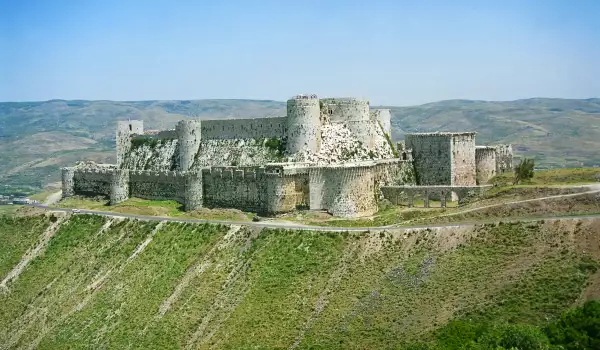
[
  {"x": 349, "y": 191},
  {"x": 463, "y": 159},
  {"x": 485, "y": 162},
  {"x": 125, "y": 132},
  {"x": 188, "y": 138},
  {"x": 431, "y": 154},
  {"x": 384, "y": 118},
  {"x": 303, "y": 124},
  {"x": 157, "y": 185},
  {"x": 504, "y": 158}
]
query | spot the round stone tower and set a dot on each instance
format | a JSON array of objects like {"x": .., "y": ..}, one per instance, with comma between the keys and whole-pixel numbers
[
  {"x": 346, "y": 109},
  {"x": 188, "y": 136},
  {"x": 304, "y": 124},
  {"x": 67, "y": 181}
]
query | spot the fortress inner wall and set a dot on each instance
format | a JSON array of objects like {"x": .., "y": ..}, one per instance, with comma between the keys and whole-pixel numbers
[
  {"x": 431, "y": 157},
  {"x": 485, "y": 162},
  {"x": 157, "y": 185},
  {"x": 463, "y": 159},
  {"x": 231, "y": 129}
]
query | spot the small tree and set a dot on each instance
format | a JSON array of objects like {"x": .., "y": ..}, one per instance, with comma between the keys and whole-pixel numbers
[{"x": 523, "y": 171}]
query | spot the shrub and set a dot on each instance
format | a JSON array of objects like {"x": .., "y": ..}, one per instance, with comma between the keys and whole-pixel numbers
[{"x": 524, "y": 171}]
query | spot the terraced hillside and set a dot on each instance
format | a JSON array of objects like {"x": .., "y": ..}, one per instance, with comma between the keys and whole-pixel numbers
[
  {"x": 36, "y": 138},
  {"x": 96, "y": 282}
]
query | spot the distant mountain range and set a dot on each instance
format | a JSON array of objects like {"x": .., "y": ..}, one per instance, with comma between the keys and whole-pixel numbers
[{"x": 37, "y": 138}]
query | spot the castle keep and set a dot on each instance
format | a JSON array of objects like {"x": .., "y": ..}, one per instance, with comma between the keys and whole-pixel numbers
[{"x": 330, "y": 154}]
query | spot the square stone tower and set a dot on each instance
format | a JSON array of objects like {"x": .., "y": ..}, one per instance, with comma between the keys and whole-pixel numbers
[{"x": 443, "y": 158}]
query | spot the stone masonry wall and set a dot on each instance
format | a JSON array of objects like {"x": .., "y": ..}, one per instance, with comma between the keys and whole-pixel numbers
[
  {"x": 345, "y": 109},
  {"x": 485, "y": 162},
  {"x": 227, "y": 129},
  {"x": 303, "y": 124},
  {"x": 125, "y": 132},
  {"x": 504, "y": 158},
  {"x": 432, "y": 157},
  {"x": 235, "y": 187},
  {"x": 157, "y": 185},
  {"x": 463, "y": 159},
  {"x": 67, "y": 181},
  {"x": 349, "y": 191},
  {"x": 94, "y": 182}
]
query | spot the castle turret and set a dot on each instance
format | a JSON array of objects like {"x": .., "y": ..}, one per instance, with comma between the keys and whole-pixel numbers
[
  {"x": 125, "y": 132},
  {"x": 193, "y": 191},
  {"x": 188, "y": 135},
  {"x": 304, "y": 124},
  {"x": 119, "y": 186},
  {"x": 67, "y": 181}
]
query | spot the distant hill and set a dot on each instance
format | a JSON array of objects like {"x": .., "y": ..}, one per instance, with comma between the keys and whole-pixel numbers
[{"x": 36, "y": 138}]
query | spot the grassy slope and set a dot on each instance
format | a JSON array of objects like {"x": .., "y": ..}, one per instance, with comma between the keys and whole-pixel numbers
[
  {"x": 239, "y": 288},
  {"x": 16, "y": 236},
  {"x": 36, "y": 138}
]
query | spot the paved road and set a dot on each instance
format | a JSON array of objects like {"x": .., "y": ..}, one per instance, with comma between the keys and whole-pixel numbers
[{"x": 306, "y": 227}]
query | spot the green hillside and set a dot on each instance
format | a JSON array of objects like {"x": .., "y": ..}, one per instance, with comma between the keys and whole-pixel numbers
[
  {"x": 109, "y": 283},
  {"x": 36, "y": 138}
]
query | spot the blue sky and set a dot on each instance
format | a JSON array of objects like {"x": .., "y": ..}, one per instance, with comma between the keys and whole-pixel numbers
[{"x": 392, "y": 52}]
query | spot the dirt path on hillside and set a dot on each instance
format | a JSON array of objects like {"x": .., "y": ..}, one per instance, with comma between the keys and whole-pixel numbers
[{"x": 593, "y": 189}]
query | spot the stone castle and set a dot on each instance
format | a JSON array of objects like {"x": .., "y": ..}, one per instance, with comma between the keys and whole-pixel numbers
[{"x": 333, "y": 155}]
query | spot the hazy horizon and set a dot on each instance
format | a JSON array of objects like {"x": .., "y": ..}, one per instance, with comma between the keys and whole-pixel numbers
[{"x": 395, "y": 53}]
